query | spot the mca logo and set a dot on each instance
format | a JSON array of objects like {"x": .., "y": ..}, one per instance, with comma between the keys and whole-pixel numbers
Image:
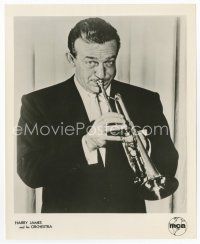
[{"x": 177, "y": 226}]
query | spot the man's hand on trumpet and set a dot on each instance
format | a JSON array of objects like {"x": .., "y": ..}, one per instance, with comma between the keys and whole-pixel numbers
[{"x": 108, "y": 127}]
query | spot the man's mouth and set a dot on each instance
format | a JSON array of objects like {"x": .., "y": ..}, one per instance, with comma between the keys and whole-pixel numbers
[{"x": 94, "y": 82}]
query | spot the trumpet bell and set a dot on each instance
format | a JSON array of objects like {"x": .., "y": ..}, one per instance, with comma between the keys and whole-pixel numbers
[{"x": 158, "y": 188}]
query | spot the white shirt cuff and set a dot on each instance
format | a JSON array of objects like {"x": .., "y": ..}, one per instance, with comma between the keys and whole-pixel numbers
[{"x": 90, "y": 156}]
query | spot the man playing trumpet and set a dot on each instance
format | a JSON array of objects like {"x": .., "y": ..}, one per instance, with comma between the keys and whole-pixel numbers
[{"x": 87, "y": 170}]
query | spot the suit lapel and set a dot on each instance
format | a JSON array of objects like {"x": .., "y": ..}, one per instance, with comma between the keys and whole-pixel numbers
[
  {"x": 78, "y": 105},
  {"x": 76, "y": 112}
]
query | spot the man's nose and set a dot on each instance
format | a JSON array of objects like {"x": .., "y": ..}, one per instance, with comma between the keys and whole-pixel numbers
[{"x": 100, "y": 71}]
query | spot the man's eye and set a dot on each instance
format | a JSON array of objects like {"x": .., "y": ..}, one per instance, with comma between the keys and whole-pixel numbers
[
  {"x": 110, "y": 63},
  {"x": 91, "y": 63}
]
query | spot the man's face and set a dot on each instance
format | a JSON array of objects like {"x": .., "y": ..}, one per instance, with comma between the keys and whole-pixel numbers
[{"x": 93, "y": 62}]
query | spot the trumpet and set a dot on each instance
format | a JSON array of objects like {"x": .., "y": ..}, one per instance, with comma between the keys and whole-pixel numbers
[{"x": 150, "y": 182}]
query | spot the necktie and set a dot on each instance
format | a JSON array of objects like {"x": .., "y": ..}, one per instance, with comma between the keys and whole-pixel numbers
[
  {"x": 95, "y": 109},
  {"x": 100, "y": 151},
  {"x": 97, "y": 105}
]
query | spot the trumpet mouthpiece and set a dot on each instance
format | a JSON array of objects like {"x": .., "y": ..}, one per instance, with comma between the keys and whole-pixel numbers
[{"x": 99, "y": 82}]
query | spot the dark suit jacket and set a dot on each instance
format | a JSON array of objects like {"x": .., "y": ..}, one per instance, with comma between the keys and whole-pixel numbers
[{"x": 58, "y": 164}]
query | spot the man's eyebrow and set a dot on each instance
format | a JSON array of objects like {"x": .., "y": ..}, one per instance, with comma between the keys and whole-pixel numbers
[
  {"x": 90, "y": 57},
  {"x": 114, "y": 56}
]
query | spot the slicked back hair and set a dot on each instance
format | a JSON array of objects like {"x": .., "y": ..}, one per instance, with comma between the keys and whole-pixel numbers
[{"x": 92, "y": 30}]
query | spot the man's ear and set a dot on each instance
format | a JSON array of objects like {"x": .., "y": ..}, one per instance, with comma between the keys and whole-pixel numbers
[{"x": 70, "y": 58}]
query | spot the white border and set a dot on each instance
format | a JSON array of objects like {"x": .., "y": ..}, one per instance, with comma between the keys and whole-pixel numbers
[{"x": 2, "y": 87}]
